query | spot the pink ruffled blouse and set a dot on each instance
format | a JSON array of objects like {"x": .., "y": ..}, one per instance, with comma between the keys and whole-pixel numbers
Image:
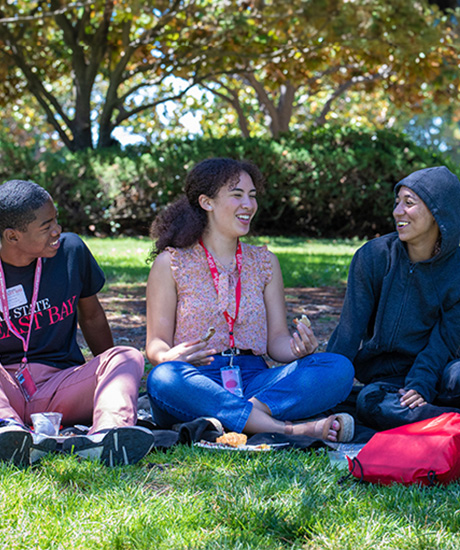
[{"x": 199, "y": 307}]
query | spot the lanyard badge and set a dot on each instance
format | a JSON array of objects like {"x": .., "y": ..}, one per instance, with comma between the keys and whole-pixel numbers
[
  {"x": 215, "y": 279},
  {"x": 231, "y": 374},
  {"x": 22, "y": 375},
  {"x": 231, "y": 379},
  {"x": 25, "y": 381}
]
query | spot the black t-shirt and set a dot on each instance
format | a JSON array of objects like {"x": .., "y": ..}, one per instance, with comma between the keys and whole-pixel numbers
[{"x": 70, "y": 275}]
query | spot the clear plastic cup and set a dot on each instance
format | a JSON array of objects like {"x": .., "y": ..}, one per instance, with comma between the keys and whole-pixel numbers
[{"x": 47, "y": 423}]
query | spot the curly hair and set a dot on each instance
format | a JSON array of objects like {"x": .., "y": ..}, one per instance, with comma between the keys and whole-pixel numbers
[
  {"x": 183, "y": 222},
  {"x": 19, "y": 200}
]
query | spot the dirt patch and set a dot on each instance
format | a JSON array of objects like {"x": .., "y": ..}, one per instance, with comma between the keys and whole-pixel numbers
[
  {"x": 322, "y": 305},
  {"x": 125, "y": 310}
]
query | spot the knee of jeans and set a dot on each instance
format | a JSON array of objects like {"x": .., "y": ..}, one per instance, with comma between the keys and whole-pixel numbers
[
  {"x": 368, "y": 401},
  {"x": 378, "y": 406},
  {"x": 345, "y": 368},
  {"x": 344, "y": 373},
  {"x": 162, "y": 378}
]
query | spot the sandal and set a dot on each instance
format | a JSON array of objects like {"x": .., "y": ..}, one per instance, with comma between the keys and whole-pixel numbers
[{"x": 346, "y": 430}]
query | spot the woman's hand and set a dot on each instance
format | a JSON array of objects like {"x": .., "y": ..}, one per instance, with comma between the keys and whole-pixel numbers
[
  {"x": 303, "y": 341},
  {"x": 411, "y": 399},
  {"x": 193, "y": 352},
  {"x": 281, "y": 345}
]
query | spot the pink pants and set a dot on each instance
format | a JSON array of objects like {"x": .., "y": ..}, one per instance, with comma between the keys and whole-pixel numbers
[{"x": 102, "y": 393}]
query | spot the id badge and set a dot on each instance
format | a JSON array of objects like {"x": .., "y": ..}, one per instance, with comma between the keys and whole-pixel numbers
[
  {"x": 25, "y": 381},
  {"x": 231, "y": 379}
]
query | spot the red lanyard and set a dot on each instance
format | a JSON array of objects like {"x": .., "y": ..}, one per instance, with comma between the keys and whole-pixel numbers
[
  {"x": 6, "y": 309},
  {"x": 215, "y": 279}
]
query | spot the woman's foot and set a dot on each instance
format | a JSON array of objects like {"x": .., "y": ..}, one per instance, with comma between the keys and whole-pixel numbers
[{"x": 337, "y": 427}]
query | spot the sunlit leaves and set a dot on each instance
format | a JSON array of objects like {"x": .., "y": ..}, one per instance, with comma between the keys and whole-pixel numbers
[
  {"x": 272, "y": 65},
  {"x": 116, "y": 41},
  {"x": 329, "y": 49}
]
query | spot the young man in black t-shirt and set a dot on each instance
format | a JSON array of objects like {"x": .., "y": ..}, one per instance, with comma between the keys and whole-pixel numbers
[{"x": 49, "y": 283}]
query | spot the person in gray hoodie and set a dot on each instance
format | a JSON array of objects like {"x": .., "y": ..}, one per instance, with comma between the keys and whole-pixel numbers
[{"x": 400, "y": 322}]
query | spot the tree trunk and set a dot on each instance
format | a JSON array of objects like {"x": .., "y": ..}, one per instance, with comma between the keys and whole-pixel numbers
[
  {"x": 234, "y": 101},
  {"x": 285, "y": 106},
  {"x": 278, "y": 116}
]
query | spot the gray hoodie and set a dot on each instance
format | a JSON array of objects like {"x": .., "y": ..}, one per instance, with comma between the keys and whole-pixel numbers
[{"x": 402, "y": 319}]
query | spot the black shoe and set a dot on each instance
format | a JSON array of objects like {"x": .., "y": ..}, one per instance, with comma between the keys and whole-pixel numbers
[
  {"x": 117, "y": 446},
  {"x": 15, "y": 443},
  {"x": 41, "y": 446}
]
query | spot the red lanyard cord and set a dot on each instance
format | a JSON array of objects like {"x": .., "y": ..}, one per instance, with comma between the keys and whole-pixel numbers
[
  {"x": 6, "y": 309},
  {"x": 215, "y": 279}
]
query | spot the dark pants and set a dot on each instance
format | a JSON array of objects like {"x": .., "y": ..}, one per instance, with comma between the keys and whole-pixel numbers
[{"x": 378, "y": 404}]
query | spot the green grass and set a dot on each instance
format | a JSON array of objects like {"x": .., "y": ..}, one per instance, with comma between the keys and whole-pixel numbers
[
  {"x": 311, "y": 262},
  {"x": 191, "y": 498},
  {"x": 123, "y": 260},
  {"x": 304, "y": 262}
]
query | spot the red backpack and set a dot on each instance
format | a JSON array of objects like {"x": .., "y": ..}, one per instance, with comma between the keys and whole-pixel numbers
[{"x": 425, "y": 452}]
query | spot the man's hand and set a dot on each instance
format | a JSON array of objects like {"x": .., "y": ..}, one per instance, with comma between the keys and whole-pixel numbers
[{"x": 411, "y": 399}]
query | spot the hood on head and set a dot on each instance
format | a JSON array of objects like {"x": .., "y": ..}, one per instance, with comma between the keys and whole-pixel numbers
[{"x": 439, "y": 189}]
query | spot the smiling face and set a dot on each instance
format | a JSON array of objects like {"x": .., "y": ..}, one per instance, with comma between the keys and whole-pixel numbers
[
  {"x": 230, "y": 212},
  {"x": 415, "y": 224},
  {"x": 39, "y": 240}
]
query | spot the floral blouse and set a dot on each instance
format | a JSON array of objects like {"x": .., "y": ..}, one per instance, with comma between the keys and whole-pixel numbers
[{"x": 199, "y": 307}]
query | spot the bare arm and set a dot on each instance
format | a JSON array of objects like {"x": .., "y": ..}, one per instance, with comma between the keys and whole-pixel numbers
[
  {"x": 94, "y": 325},
  {"x": 161, "y": 320},
  {"x": 281, "y": 345}
]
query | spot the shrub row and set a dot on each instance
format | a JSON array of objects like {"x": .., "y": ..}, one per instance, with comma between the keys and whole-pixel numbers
[{"x": 333, "y": 182}]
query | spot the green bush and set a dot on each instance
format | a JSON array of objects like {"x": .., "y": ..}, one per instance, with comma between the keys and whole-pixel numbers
[
  {"x": 16, "y": 162},
  {"x": 324, "y": 183}
]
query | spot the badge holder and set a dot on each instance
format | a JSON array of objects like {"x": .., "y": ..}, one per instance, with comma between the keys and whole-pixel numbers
[
  {"x": 25, "y": 381},
  {"x": 231, "y": 376},
  {"x": 22, "y": 375}
]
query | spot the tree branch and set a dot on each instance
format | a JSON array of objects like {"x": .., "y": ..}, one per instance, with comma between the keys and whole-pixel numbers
[
  {"x": 267, "y": 104},
  {"x": 235, "y": 103},
  {"x": 151, "y": 105},
  {"x": 58, "y": 11},
  {"x": 342, "y": 89},
  {"x": 36, "y": 86}
]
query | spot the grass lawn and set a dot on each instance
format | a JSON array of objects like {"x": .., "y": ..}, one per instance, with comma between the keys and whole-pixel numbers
[
  {"x": 192, "y": 498},
  {"x": 304, "y": 262}
]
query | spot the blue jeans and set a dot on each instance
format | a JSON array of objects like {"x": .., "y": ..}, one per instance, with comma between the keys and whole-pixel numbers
[
  {"x": 378, "y": 404},
  {"x": 180, "y": 392}
]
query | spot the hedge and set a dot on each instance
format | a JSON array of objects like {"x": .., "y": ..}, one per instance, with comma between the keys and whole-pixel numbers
[{"x": 331, "y": 182}]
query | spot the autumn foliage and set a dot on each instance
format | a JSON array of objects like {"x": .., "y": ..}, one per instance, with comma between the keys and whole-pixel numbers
[{"x": 89, "y": 67}]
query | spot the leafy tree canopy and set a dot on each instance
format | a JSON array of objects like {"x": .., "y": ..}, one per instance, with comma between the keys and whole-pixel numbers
[
  {"x": 94, "y": 65},
  {"x": 75, "y": 56},
  {"x": 298, "y": 58}
]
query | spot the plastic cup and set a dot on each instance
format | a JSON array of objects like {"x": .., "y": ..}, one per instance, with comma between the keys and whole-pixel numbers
[{"x": 47, "y": 423}]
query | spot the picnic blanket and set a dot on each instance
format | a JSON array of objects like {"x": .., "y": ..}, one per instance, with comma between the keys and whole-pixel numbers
[{"x": 208, "y": 429}]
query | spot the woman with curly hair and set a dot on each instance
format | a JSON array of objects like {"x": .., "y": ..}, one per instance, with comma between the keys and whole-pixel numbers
[{"x": 204, "y": 277}]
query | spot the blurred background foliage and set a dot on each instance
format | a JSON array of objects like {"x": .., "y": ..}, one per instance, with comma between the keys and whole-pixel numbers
[
  {"x": 328, "y": 182},
  {"x": 335, "y": 100}
]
